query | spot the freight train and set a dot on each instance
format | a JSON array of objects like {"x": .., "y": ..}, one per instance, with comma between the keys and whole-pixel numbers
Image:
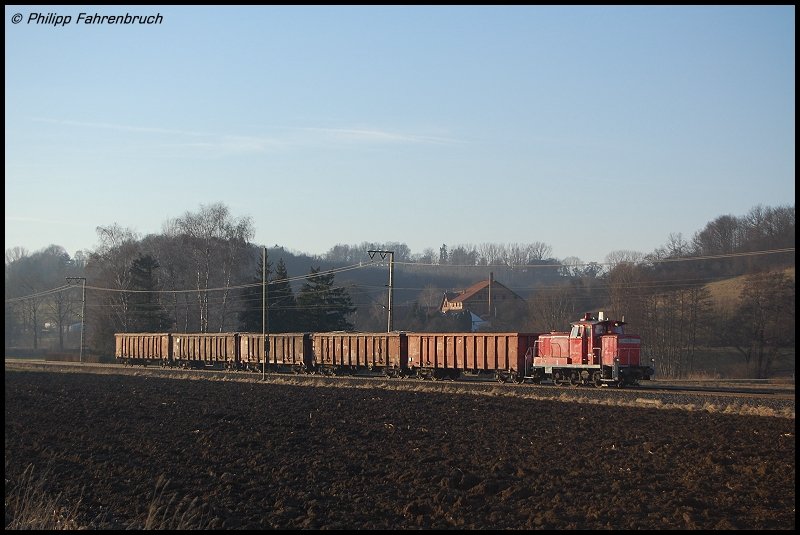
[{"x": 596, "y": 351}]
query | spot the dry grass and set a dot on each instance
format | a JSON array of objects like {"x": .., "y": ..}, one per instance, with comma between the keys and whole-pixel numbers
[
  {"x": 168, "y": 511},
  {"x": 735, "y": 407},
  {"x": 725, "y": 293},
  {"x": 31, "y": 506}
]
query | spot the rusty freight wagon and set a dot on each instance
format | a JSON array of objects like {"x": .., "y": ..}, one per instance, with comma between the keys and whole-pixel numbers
[
  {"x": 143, "y": 349},
  {"x": 349, "y": 353},
  {"x": 204, "y": 350},
  {"x": 287, "y": 352},
  {"x": 448, "y": 355}
]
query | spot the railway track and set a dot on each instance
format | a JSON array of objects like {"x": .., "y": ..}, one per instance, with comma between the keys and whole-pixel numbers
[{"x": 752, "y": 397}]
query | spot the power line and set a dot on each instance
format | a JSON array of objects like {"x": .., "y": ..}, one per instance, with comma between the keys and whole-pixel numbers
[
  {"x": 559, "y": 265},
  {"x": 44, "y": 293}
]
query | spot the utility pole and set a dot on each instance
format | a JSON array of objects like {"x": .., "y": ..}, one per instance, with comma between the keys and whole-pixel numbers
[
  {"x": 390, "y": 254},
  {"x": 83, "y": 308},
  {"x": 491, "y": 278},
  {"x": 264, "y": 315}
]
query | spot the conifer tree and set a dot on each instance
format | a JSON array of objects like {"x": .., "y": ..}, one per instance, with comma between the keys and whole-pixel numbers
[
  {"x": 252, "y": 305},
  {"x": 282, "y": 303},
  {"x": 148, "y": 315},
  {"x": 322, "y": 306}
]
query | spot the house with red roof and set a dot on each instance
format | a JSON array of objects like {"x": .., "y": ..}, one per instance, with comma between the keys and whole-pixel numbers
[{"x": 484, "y": 300}]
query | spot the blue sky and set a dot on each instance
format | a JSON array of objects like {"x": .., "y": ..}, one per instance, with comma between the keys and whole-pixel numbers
[{"x": 591, "y": 129}]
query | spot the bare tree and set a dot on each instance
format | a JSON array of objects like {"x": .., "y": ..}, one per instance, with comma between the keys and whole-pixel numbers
[
  {"x": 624, "y": 279},
  {"x": 489, "y": 253},
  {"x": 80, "y": 259},
  {"x": 769, "y": 228},
  {"x": 764, "y": 326},
  {"x": 552, "y": 308},
  {"x": 214, "y": 241},
  {"x": 175, "y": 275},
  {"x": 41, "y": 278},
  {"x": 572, "y": 266},
  {"x": 430, "y": 297},
  {"x": 670, "y": 324},
  {"x": 721, "y": 236},
  {"x": 676, "y": 247},
  {"x": 109, "y": 267},
  {"x": 427, "y": 257},
  {"x": 539, "y": 251},
  {"x": 340, "y": 253},
  {"x": 14, "y": 254},
  {"x": 516, "y": 254}
]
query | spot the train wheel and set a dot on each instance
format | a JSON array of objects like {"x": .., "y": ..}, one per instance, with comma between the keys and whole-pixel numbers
[
  {"x": 518, "y": 378},
  {"x": 596, "y": 378},
  {"x": 574, "y": 380},
  {"x": 558, "y": 379}
]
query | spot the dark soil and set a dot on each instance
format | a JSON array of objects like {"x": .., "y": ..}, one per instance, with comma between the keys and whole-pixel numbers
[{"x": 123, "y": 451}]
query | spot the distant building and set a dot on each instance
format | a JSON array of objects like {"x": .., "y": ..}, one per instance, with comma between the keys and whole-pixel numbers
[
  {"x": 484, "y": 300},
  {"x": 477, "y": 322}
]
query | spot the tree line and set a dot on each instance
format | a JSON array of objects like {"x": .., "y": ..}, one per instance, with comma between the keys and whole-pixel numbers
[{"x": 204, "y": 274}]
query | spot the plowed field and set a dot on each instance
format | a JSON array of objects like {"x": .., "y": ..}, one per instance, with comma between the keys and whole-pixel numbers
[{"x": 125, "y": 451}]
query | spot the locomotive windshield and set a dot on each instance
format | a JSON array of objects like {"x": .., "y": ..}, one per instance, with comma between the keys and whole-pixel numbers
[{"x": 598, "y": 329}]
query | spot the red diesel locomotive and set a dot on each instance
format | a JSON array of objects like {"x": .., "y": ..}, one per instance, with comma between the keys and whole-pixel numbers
[{"x": 595, "y": 351}]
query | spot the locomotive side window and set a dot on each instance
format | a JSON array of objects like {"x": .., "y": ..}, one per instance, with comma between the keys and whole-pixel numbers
[
  {"x": 575, "y": 331},
  {"x": 599, "y": 329}
]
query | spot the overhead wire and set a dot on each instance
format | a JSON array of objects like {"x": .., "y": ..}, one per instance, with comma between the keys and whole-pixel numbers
[{"x": 382, "y": 263}]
